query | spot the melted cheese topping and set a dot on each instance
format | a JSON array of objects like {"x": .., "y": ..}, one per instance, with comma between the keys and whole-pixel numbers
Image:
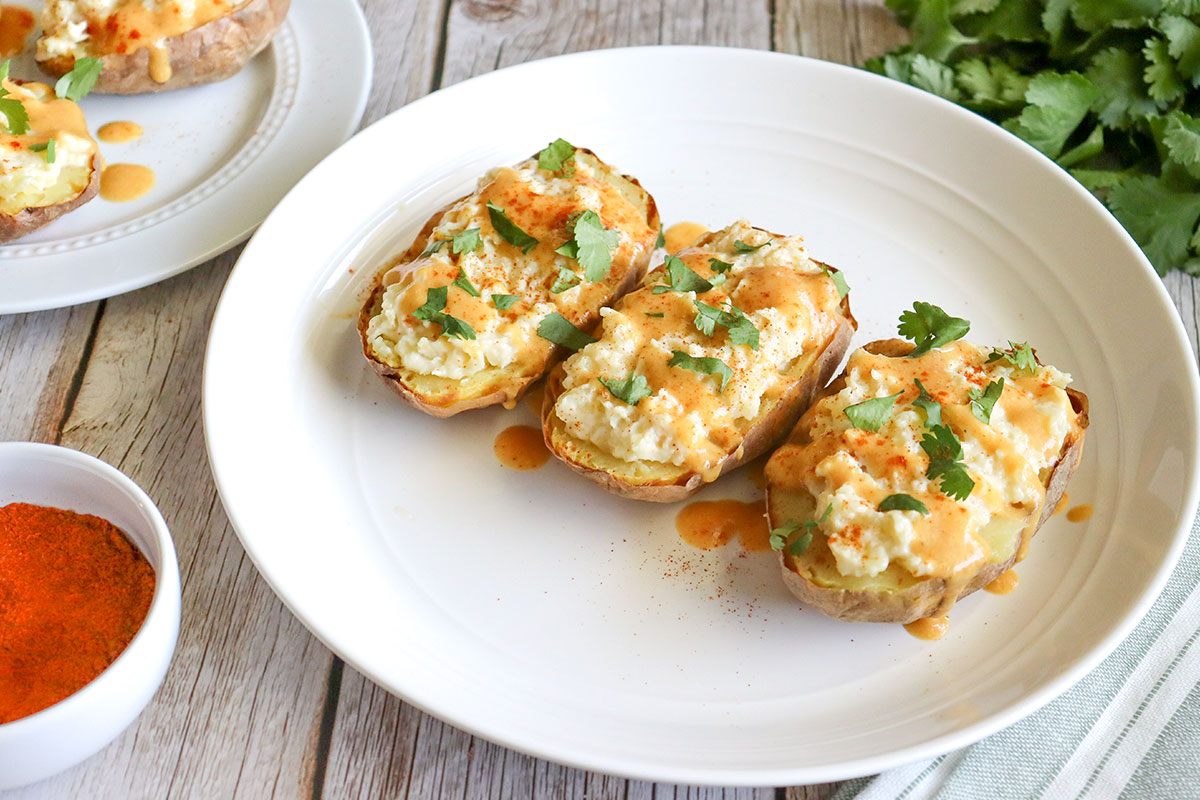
[
  {"x": 688, "y": 420},
  {"x": 27, "y": 180},
  {"x": 104, "y": 27},
  {"x": 853, "y": 470},
  {"x": 540, "y": 204}
]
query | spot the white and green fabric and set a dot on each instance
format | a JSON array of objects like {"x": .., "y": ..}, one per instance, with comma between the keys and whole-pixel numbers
[{"x": 1130, "y": 729}]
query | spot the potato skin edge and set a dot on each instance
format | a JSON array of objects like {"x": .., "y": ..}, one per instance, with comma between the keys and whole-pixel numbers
[
  {"x": 928, "y": 597},
  {"x": 25, "y": 222}
]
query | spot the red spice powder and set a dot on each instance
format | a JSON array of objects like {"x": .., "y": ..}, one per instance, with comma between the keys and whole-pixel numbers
[{"x": 73, "y": 593}]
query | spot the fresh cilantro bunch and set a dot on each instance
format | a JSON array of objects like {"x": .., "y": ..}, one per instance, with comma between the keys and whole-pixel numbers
[{"x": 1110, "y": 89}]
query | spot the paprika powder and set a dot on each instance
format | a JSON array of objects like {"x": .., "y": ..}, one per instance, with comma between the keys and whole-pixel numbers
[{"x": 73, "y": 593}]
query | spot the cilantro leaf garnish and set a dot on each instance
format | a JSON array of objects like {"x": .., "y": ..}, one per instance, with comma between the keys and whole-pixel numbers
[
  {"x": 741, "y": 329},
  {"x": 902, "y": 502},
  {"x": 556, "y": 155},
  {"x": 3, "y": 74},
  {"x": 566, "y": 280},
  {"x": 504, "y": 301},
  {"x": 683, "y": 278},
  {"x": 509, "y": 231},
  {"x": 48, "y": 147},
  {"x": 742, "y": 248},
  {"x": 1019, "y": 356},
  {"x": 718, "y": 266},
  {"x": 983, "y": 402},
  {"x": 556, "y": 328},
  {"x": 15, "y": 114},
  {"x": 466, "y": 241},
  {"x": 465, "y": 284},
  {"x": 945, "y": 462},
  {"x": 591, "y": 244},
  {"x": 929, "y": 326},
  {"x": 705, "y": 366},
  {"x": 839, "y": 280},
  {"x": 870, "y": 415},
  {"x": 433, "y": 311},
  {"x": 779, "y": 536},
  {"x": 79, "y": 81},
  {"x": 655, "y": 314},
  {"x": 661, "y": 241},
  {"x": 931, "y": 407},
  {"x": 631, "y": 390},
  {"x": 434, "y": 246}
]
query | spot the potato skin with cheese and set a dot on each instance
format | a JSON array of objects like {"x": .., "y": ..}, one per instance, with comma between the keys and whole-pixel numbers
[
  {"x": 668, "y": 483},
  {"x": 445, "y": 397},
  {"x": 212, "y": 52},
  {"x": 898, "y": 596}
]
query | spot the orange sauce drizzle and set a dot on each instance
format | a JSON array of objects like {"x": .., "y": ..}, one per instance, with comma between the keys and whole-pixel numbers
[
  {"x": 1062, "y": 503},
  {"x": 756, "y": 472},
  {"x": 1005, "y": 582},
  {"x": 121, "y": 183},
  {"x": 535, "y": 396},
  {"x": 160, "y": 63},
  {"x": 521, "y": 447},
  {"x": 929, "y": 628},
  {"x": 709, "y": 524},
  {"x": 1080, "y": 513},
  {"x": 681, "y": 234},
  {"x": 15, "y": 25},
  {"x": 119, "y": 132}
]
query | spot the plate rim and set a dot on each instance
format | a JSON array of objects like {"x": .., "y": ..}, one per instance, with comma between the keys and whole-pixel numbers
[{"x": 968, "y": 734}]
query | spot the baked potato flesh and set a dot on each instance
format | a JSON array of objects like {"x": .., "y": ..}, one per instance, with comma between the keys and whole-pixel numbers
[
  {"x": 506, "y": 289},
  {"x": 48, "y": 170},
  {"x": 864, "y": 564},
  {"x": 716, "y": 394}
]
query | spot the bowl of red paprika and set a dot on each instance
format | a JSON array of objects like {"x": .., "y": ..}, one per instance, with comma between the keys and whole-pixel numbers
[{"x": 89, "y": 607}]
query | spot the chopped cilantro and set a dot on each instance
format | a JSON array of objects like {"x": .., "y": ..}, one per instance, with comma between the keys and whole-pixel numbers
[
  {"x": 1019, "y": 356},
  {"x": 779, "y": 536},
  {"x": 17, "y": 119},
  {"x": 705, "y": 366},
  {"x": 509, "y": 231},
  {"x": 504, "y": 301},
  {"x": 433, "y": 311},
  {"x": 465, "y": 284},
  {"x": 48, "y": 147},
  {"x": 983, "y": 402},
  {"x": 656, "y": 314},
  {"x": 741, "y": 329},
  {"x": 631, "y": 390},
  {"x": 467, "y": 241},
  {"x": 931, "y": 407},
  {"x": 79, "y": 81},
  {"x": 902, "y": 502},
  {"x": 945, "y": 462},
  {"x": 929, "y": 326},
  {"x": 742, "y": 248},
  {"x": 683, "y": 278},
  {"x": 870, "y": 415},
  {"x": 839, "y": 281},
  {"x": 434, "y": 246},
  {"x": 661, "y": 241},
  {"x": 591, "y": 244},
  {"x": 557, "y": 154},
  {"x": 718, "y": 266},
  {"x": 556, "y": 328},
  {"x": 566, "y": 280}
]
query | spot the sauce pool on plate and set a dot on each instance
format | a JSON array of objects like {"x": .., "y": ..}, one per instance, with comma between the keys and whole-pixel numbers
[
  {"x": 709, "y": 524},
  {"x": 521, "y": 447},
  {"x": 119, "y": 132},
  {"x": 16, "y": 24},
  {"x": 929, "y": 629},
  {"x": 123, "y": 183},
  {"x": 1080, "y": 513},
  {"x": 1004, "y": 583}
]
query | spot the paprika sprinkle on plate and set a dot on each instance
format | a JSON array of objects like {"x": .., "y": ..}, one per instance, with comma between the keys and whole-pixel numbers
[{"x": 73, "y": 593}]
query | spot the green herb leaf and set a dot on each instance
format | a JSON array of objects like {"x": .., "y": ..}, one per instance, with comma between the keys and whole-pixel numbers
[
  {"x": 1019, "y": 356},
  {"x": 741, "y": 329},
  {"x": 465, "y": 284},
  {"x": 556, "y": 155},
  {"x": 661, "y": 241},
  {"x": 1057, "y": 104},
  {"x": 931, "y": 407},
  {"x": 870, "y": 415},
  {"x": 3, "y": 74},
  {"x": 509, "y": 231},
  {"x": 15, "y": 115},
  {"x": 434, "y": 246},
  {"x": 839, "y": 280},
  {"x": 631, "y": 390},
  {"x": 592, "y": 245},
  {"x": 705, "y": 366},
  {"x": 683, "y": 278},
  {"x": 902, "y": 502},
  {"x": 556, "y": 328},
  {"x": 79, "y": 81},
  {"x": 718, "y": 266},
  {"x": 467, "y": 241},
  {"x": 566, "y": 280},
  {"x": 779, "y": 536},
  {"x": 983, "y": 402},
  {"x": 48, "y": 147},
  {"x": 929, "y": 326},
  {"x": 656, "y": 314},
  {"x": 433, "y": 311},
  {"x": 742, "y": 248},
  {"x": 504, "y": 301},
  {"x": 945, "y": 462}
]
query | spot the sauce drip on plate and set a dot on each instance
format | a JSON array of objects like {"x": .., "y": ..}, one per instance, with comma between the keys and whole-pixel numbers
[
  {"x": 929, "y": 628},
  {"x": 119, "y": 132},
  {"x": 682, "y": 234},
  {"x": 122, "y": 183},
  {"x": 1004, "y": 583},
  {"x": 1080, "y": 513},
  {"x": 521, "y": 447},
  {"x": 709, "y": 524}
]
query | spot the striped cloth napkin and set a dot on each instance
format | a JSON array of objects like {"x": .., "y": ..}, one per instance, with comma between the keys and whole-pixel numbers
[{"x": 1130, "y": 729}]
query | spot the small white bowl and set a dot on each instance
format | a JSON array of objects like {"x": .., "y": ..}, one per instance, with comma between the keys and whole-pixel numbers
[{"x": 50, "y": 741}]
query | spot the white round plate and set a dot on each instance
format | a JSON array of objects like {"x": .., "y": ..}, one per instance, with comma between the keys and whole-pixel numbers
[
  {"x": 540, "y": 612},
  {"x": 224, "y": 154}
]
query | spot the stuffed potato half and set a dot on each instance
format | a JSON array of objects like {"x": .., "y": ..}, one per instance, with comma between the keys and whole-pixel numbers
[
  {"x": 502, "y": 281},
  {"x": 157, "y": 45},
  {"x": 703, "y": 367},
  {"x": 913, "y": 482},
  {"x": 49, "y": 163}
]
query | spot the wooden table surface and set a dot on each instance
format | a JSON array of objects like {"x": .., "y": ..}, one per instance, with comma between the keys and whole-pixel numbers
[{"x": 253, "y": 706}]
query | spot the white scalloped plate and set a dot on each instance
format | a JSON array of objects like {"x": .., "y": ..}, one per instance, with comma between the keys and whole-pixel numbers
[
  {"x": 539, "y": 611},
  {"x": 224, "y": 154}
]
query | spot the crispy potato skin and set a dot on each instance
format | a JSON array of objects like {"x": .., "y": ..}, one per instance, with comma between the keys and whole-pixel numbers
[
  {"x": 213, "y": 52},
  {"x": 14, "y": 226},
  {"x": 926, "y": 597},
  {"x": 454, "y": 401},
  {"x": 675, "y": 483}
]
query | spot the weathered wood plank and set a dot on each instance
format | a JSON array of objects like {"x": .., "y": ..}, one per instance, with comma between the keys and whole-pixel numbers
[{"x": 846, "y": 32}]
